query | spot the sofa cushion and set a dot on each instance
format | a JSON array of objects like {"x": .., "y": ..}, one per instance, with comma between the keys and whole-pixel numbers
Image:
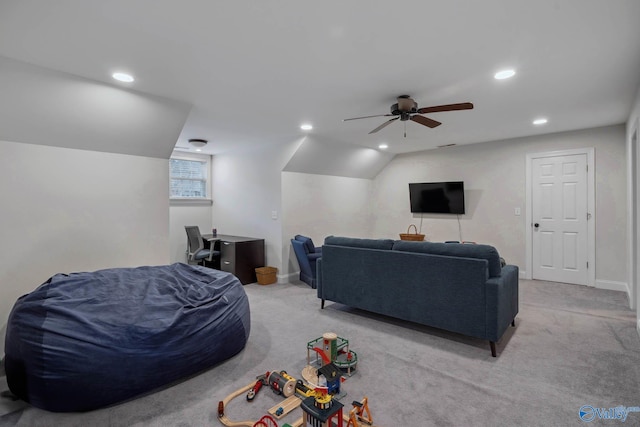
[
  {"x": 307, "y": 242},
  {"x": 455, "y": 249},
  {"x": 352, "y": 242}
]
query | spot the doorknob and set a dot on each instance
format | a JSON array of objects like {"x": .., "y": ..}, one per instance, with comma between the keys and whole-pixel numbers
[{"x": 536, "y": 225}]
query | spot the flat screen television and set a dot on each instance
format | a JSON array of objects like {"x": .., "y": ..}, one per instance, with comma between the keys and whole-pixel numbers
[{"x": 437, "y": 197}]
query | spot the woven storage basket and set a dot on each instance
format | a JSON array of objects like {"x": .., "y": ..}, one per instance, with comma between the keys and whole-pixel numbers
[
  {"x": 412, "y": 236},
  {"x": 266, "y": 275}
]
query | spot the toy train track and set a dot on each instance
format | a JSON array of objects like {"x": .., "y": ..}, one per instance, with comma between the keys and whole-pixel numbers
[
  {"x": 318, "y": 395},
  {"x": 265, "y": 421},
  {"x": 284, "y": 407},
  {"x": 223, "y": 403}
]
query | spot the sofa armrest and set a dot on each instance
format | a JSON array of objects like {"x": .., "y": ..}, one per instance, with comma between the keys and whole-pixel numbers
[
  {"x": 314, "y": 256},
  {"x": 502, "y": 301}
]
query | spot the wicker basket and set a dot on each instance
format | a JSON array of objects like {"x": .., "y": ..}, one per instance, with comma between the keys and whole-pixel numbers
[
  {"x": 266, "y": 275},
  {"x": 412, "y": 236}
]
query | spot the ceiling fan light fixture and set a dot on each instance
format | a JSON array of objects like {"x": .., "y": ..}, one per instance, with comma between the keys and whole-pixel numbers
[
  {"x": 504, "y": 74},
  {"x": 407, "y": 109},
  {"x": 198, "y": 143}
]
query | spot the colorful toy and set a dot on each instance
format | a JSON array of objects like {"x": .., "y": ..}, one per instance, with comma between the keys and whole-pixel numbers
[
  {"x": 360, "y": 412},
  {"x": 318, "y": 396},
  {"x": 284, "y": 407},
  {"x": 333, "y": 349},
  {"x": 320, "y": 408},
  {"x": 332, "y": 377},
  {"x": 266, "y": 421},
  {"x": 322, "y": 411},
  {"x": 303, "y": 390},
  {"x": 262, "y": 380},
  {"x": 282, "y": 383},
  {"x": 223, "y": 403}
]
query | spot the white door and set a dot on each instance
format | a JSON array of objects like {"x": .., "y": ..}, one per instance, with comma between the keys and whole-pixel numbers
[{"x": 559, "y": 216}]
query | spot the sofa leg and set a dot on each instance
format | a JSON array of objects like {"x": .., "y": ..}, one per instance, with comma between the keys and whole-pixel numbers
[
  {"x": 513, "y": 323},
  {"x": 493, "y": 348},
  {"x": 322, "y": 304}
]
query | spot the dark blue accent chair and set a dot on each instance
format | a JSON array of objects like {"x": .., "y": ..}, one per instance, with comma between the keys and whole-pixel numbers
[{"x": 307, "y": 255}]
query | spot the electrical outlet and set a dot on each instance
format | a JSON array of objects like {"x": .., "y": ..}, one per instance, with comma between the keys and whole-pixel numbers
[
  {"x": 274, "y": 214},
  {"x": 517, "y": 211}
]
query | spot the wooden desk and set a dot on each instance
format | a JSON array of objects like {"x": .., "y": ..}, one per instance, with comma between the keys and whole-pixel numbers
[{"x": 239, "y": 255}]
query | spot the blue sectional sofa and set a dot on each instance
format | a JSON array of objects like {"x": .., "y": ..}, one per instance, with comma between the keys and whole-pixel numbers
[{"x": 462, "y": 288}]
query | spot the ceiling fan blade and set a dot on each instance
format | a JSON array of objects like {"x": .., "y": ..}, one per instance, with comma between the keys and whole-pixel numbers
[
  {"x": 367, "y": 117},
  {"x": 425, "y": 121},
  {"x": 387, "y": 123},
  {"x": 448, "y": 107}
]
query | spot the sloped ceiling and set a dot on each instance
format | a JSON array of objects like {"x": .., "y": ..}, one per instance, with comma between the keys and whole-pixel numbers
[
  {"x": 46, "y": 107},
  {"x": 255, "y": 70},
  {"x": 320, "y": 157}
]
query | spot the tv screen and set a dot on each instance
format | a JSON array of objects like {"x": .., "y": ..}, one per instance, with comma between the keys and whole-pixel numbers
[{"x": 437, "y": 197}]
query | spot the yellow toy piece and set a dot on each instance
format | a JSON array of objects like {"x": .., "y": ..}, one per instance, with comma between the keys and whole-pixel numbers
[{"x": 360, "y": 412}]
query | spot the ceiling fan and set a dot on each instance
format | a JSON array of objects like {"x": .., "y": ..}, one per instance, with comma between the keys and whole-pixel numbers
[{"x": 407, "y": 109}]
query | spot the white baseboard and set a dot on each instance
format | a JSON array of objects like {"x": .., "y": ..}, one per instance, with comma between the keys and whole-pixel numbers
[
  {"x": 287, "y": 278},
  {"x": 612, "y": 286}
]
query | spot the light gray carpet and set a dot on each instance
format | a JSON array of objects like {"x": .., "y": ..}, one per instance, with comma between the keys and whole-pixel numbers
[{"x": 571, "y": 346}]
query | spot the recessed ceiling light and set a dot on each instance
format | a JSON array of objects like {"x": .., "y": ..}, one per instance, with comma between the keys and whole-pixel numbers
[
  {"x": 123, "y": 77},
  {"x": 504, "y": 74},
  {"x": 383, "y": 146},
  {"x": 306, "y": 126},
  {"x": 540, "y": 121}
]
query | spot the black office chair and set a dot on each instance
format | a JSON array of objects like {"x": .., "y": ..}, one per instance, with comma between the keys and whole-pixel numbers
[{"x": 196, "y": 251}]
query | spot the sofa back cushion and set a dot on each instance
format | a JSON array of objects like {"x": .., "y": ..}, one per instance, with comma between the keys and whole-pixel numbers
[
  {"x": 455, "y": 249},
  {"x": 352, "y": 242},
  {"x": 307, "y": 242}
]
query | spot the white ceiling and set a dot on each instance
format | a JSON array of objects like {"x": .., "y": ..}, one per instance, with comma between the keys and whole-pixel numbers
[{"x": 253, "y": 71}]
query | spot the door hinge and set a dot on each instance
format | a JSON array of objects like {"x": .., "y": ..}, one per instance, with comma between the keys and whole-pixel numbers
[
  {"x": 588, "y": 216},
  {"x": 587, "y": 265}
]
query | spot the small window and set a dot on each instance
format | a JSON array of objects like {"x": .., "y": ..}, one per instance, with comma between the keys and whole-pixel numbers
[{"x": 188, "y": 179}]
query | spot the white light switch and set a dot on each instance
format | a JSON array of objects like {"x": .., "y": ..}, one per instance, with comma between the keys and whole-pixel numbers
[
  {"x": 274, "y": 214},
  {"x": 517, "y": 211}
]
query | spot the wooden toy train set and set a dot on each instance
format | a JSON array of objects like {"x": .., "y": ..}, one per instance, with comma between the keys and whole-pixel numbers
[{"x": 317, "y": 395}]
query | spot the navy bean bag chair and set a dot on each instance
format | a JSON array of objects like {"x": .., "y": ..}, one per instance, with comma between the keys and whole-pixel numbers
[{"x": 83, "y": 341}]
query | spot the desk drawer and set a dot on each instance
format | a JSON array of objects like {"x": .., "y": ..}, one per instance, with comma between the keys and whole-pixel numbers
[{"x": 227, "y": 256}]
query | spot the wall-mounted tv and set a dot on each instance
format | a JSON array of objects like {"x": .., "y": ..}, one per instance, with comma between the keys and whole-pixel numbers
[{"x": 437, "y": 197}]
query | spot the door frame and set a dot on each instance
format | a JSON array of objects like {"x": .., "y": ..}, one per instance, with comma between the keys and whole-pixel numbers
[
  {"x": 633, "y": 219},
  {"x": 591, "y": 208}
]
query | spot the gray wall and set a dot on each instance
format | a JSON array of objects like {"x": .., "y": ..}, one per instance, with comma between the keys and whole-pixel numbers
[
  {"x": 494, "y": 176},
  {"x": 246, "y": 192},
  {"x": 66, "y": 210},
  {"x": 319, "y": 205}
]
